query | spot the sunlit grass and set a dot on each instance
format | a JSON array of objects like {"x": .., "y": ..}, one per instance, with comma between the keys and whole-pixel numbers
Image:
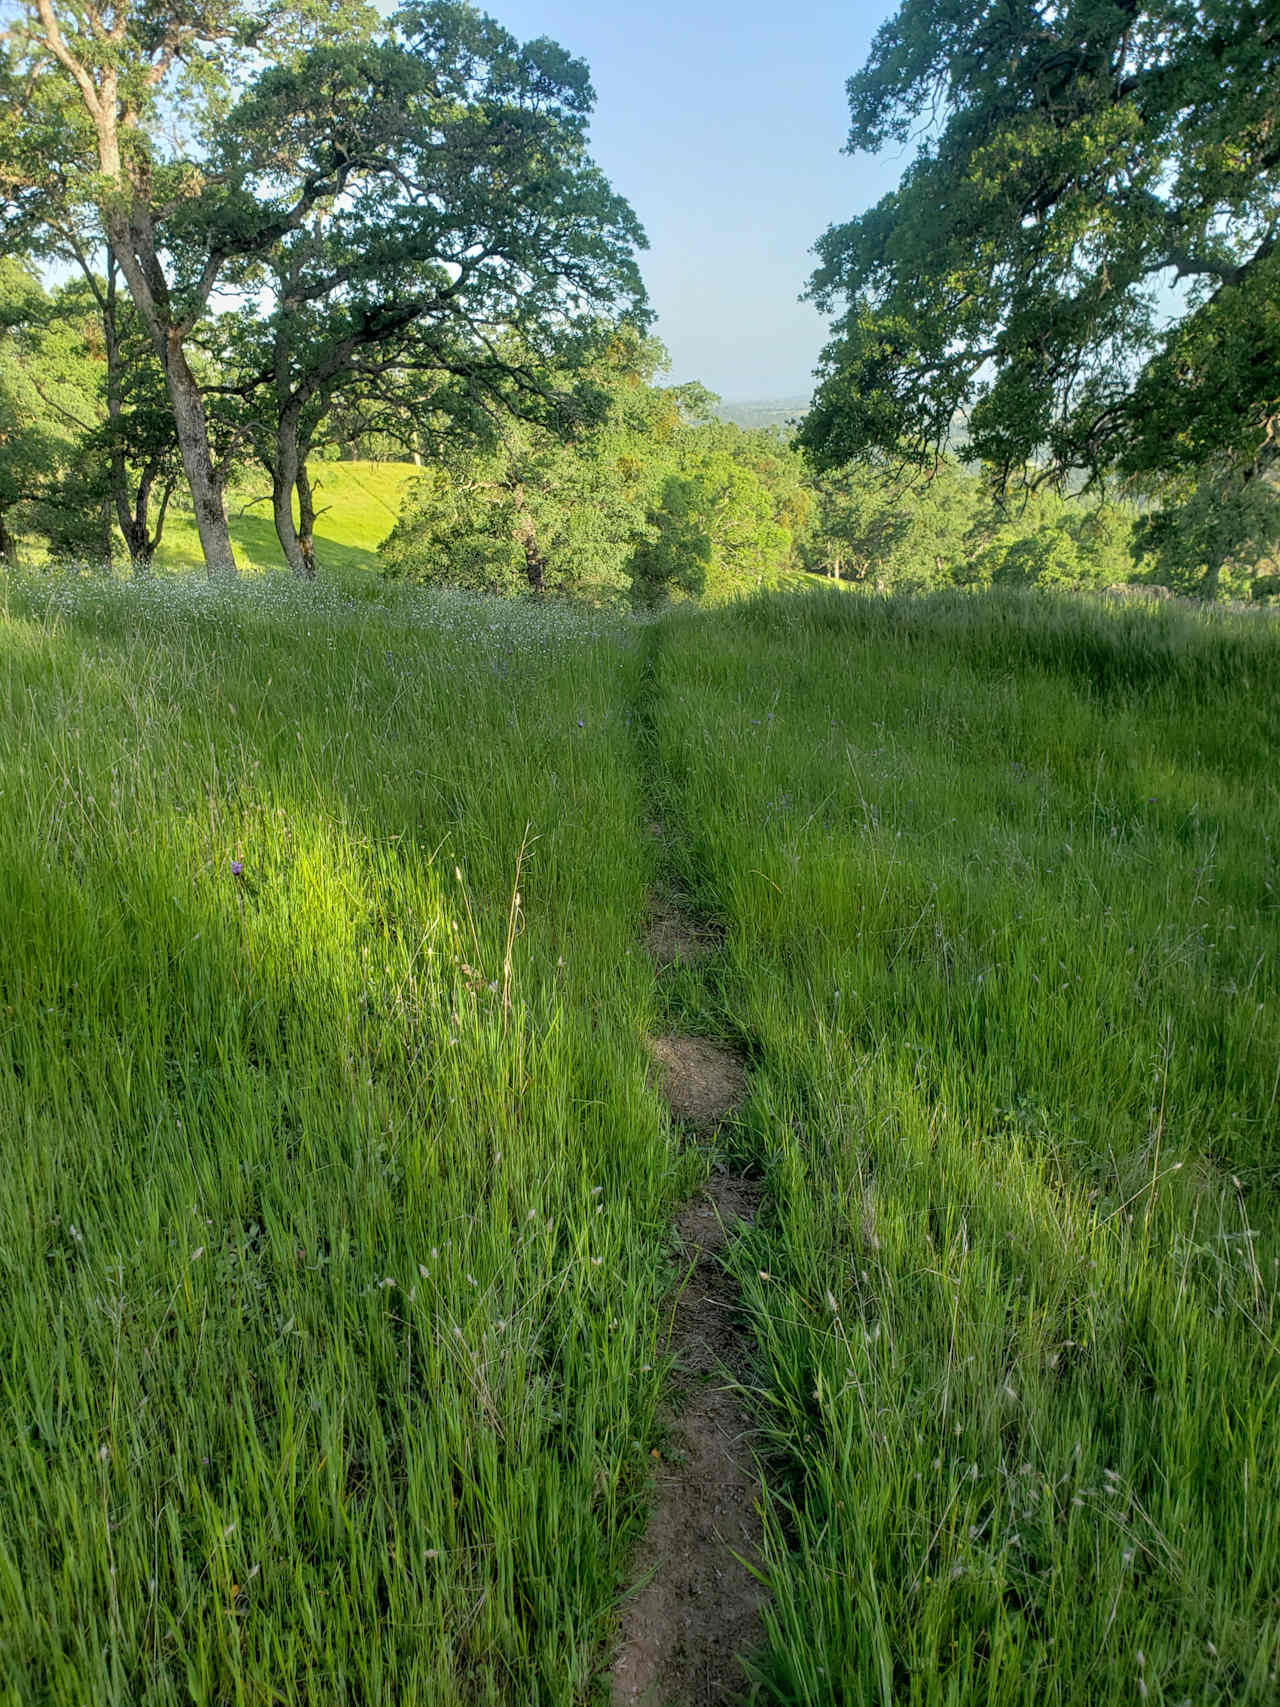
[
  {"x": 356, "y": 507},
  {"x": 1001, "y": 892},
  {"x": 330, "y": 1278},
  {"x": 333, "y": 1227}
]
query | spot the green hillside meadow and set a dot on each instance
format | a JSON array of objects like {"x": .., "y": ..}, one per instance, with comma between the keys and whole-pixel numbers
[
  {"x": 356, "y": 507},
  {"x": 335, "y": 1225}
]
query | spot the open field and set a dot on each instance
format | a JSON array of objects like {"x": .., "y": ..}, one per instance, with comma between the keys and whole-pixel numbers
[
  {"x": 335, "y": 1225},
  {"x": 356, "y": 507},
  {"x": 1000, "y": 885}
]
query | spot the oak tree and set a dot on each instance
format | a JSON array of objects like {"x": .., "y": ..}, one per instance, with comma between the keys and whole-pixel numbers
[
  {"x": 477, "y": 226},
  {"x": 429, "y": 167},
  {"x": 1079, "y": 268}
]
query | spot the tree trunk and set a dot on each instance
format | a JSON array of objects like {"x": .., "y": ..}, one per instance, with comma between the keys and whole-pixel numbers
[
  {"x": 285, "y": 468},
  {"x": 128, "y": 219},
  {"x": 288, "y": 470},
  {"x": 306, "y": 520},
  {"x": 535, "y": 564},
  {"x": 119, "y": 474},
  {"x": 134, "y": 250},
  {"x": 108, "y": 543},
  {"x": 8, "y": 544},
  {"x": 197, "y": 460},
  {"x": 135, "y": 523},
  {"x": 135, "y": 544},
  {"x": 153, "y": 543}
]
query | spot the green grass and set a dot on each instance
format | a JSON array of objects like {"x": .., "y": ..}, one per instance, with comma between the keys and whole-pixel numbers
[
  {"x": 357, "y": 504},
  {"x": 330, "y": 1277},
  {"x": 1000, "y": 885},
  {"x": 334, "y": 1226}
]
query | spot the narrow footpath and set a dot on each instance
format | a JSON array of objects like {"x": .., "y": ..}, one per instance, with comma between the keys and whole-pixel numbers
[{"x": 696, "y": 1605}]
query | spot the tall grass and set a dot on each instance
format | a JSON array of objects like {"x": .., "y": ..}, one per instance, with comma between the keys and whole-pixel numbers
[
  {"x": 1000, "y": 884},
  {"x": 333, "y": 1226},
  {"x": 330, "y": 1259}
]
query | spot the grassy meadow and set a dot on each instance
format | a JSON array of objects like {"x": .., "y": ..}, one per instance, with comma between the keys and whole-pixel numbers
[
  {"x": 335, "y": 1203},
  {"x": 335, "y": 1225},
  {"x": 1000, "y": 885},
  {"x": 356, "y": 507}
]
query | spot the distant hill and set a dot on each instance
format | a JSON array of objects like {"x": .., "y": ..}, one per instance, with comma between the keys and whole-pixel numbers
[
  {"x": 764, "y": 411},
  {"x": 357, "y": 504}
]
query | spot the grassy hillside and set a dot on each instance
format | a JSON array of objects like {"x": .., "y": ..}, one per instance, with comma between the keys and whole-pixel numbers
[
  {"x": 1003, "y": 915},
  {"x": 334, "y": 1229},
  {"x": 357, "y": 504}
]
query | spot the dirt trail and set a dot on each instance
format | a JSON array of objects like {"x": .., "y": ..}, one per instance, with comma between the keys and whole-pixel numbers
[
  {"x": 704, "y": 1082},
  {"x": 673, "y": 936},
  {"x": 697, "y": 1605}
]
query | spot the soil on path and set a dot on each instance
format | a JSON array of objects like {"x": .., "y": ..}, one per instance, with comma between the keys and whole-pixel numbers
[
  {"x": 698, "y": 1605},
  {"x": 701, "y": 1080},
  {"x": 673, "y": 937}
]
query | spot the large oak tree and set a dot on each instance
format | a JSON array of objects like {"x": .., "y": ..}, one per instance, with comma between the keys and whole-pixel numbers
[
  {"x": 477, "y": 226},
  {"x": 389, "y": 172},
  {"x": 1081, "y": 261}
]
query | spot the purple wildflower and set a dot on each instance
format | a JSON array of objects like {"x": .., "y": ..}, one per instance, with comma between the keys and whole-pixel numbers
[{"x": 237, "y": 868}]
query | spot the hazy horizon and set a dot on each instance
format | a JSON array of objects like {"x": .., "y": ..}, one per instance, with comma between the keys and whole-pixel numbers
[{"x": 723, "y": 128}]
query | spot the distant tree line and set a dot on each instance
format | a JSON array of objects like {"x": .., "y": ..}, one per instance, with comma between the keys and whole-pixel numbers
[
  {"x": 644, "y": 490},
  {"x": 650, "y": 494},
  {"x": 241, "y": 238}
]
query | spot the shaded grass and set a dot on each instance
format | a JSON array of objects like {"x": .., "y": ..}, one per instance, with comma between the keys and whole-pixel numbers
[{"x": 999, "y": 882}]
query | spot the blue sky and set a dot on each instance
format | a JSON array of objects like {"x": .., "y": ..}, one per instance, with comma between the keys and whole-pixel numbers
[{"x": 722, "y": 125}]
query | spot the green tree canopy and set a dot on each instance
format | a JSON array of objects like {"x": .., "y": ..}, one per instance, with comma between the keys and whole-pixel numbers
[
  {"x": 52, "y": 368},
  {"x": 553, "y": 504},
  {"x": 617, "y": 484},
  {"x": 1081, "y": 262},
  {"x": 366, "y": 175},
  {"x": 896, "y": 534}
]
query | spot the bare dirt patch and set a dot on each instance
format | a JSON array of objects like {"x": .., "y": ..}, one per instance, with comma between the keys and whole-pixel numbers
[
  {"x": 673, "y": 936},
  {"x": 704, "y": 1082},
  {"x": 698, "y": 1605}
]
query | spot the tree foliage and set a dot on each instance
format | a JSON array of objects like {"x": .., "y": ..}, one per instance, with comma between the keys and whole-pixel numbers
[
  {"x": 51, "y": 377},
  {"x": 629, "y": 486},
  {"x": 873, "y": 526},
  {"x": 429, "y": 172},
  {"x": 1080, "y": 268}
]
